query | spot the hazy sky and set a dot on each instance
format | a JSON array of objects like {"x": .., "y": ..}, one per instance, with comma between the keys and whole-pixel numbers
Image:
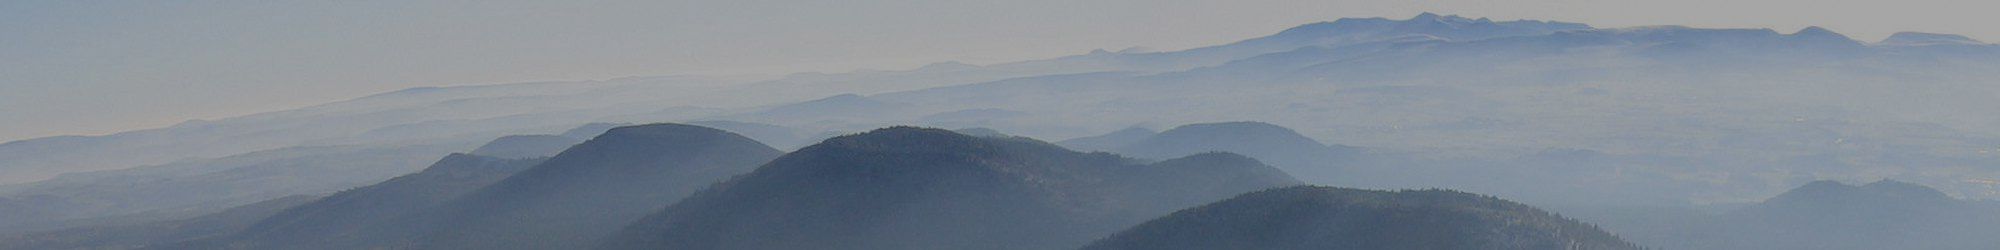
[{"x": 96, "y": 67}]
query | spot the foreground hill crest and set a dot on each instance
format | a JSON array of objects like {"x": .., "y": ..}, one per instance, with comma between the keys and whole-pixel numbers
[
  {"x": 924, "y": 188},
  {"x": 1308, "y": 217},
  {"x": 567, "y": 201}
]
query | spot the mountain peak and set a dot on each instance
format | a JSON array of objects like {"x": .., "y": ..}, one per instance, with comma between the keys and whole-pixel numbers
[
  {"x": 526, "y": 146},
  {"x": 659, "y": 129},
  {"x": 313, "y": 223},
  {"x": 591, "y": 189},
  {"x": 1241, "y": 130},
  {"x": 912, "y": 187},
  {"x": 1450, "y": 27},
  {"x": 1309, "y": 217},
  {"x": 1924, "y": 39},
  {"x": 900, "y": 132},
  {"x": 1832, "y": 193},
  {"x": 1425, "y": 16},
  {"x": 1276, "y": 145},
  {"x": 905, "y": 139},
  {"x": 1815, "y": 30},
  {"x": 591, "y": 130},
  {"x": 1818, "y": 35},
  {"x": 1235, "y": 124}
]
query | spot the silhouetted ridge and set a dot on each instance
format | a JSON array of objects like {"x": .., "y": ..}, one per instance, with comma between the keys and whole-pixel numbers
[
  {"x": 981, "y": 132},
  {"x": 1239, "y": 137},
  {"x": 1203, "y": 165},
  {"x": 336, "y": 218},
  {"x": 594, "y": 188},
  {"x": 1451, "y": 27},
  {"x": 1816, "y": 36},
  {"x": 1926, "y": 39},
  {"x": 566, "y": 202},
  {"x": 1885, "y": 214},
  {"x": 1338, "y": 218},
  {"x": 924, "y": 188},
  {"x": 526, "y": 146},
  {"x": 591, "y": 130},
  {"x": 1836, "y": 194},
  {"x": 1109, "y": 141},
  {"x": 161, "y": 234},
  {"x": 1273, "y": 144}
]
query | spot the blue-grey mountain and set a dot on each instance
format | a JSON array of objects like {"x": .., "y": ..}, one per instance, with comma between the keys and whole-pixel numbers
[
  {"x": 919, "y": 188},
  {"x": 1308, "y": 217}
]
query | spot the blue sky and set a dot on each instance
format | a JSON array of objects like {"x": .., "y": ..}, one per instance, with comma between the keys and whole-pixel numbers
[{"x": 96, "y": 67}]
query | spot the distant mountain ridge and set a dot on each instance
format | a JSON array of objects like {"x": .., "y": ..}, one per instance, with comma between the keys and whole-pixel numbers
[
  {"x": 199, "y": 187},
  {"x": 1759, "y": 107},
  {"x": 1338, "y": 218},
  {"x": 919, "y": 188},
  {"x": 1886, "y": 214},
  {"x": 595, "y": 188},
  {"x": 160, "y": 234},
  {"x": 1345, "y": 31},
  {"x": 329, "y": 220},
  {"x": 526, "y": 146},
  {"x": 1277, "y": 145},
  {"x": 1108, "y": 141},
  {"x": 565, "y": 201},
  {"x": 1927, "y": 39}
]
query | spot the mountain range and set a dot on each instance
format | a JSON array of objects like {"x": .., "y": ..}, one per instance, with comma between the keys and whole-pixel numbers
[
  {"x": 1885, "y": 214},
  {"x": 1338, "y": 218},
  {"x": 922, "y": 188},
  {"x": 918, "y": 188},
  {"x": 336, "y": 218},
  {"x": 1566, "y": 116},
  {"x": 1280, "y": 146}
]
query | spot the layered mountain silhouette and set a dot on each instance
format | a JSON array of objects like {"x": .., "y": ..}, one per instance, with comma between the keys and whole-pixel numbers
[
  {"x": 591, "y": 130},
  {"x": 1927, "y": 39},
  {"x": 1279, "y": 146},
  {"x": 195, "y": 187},
  {"x": 1109, "y": 141},
  {"x": 1644, "y": 109},
  {"x": 777, "y": 136},
  {"x": 342, "y": 216},
  {"x": 1308, "y": 217},
  {"x": 526, "y": 146},
  {"x": 921, "y": 188},
  {"x": 161, "y": 234},
  {"x": 980, "y": 132},
  {"x": 568, "y": 201},
  {"x": 1886, "y": 214},
  {"x": 592, "y": 189},
  {"x": 1342, "y": 32},
  {"x": 1448, "y": 27},
  {"x": 424, "y": 115}
]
